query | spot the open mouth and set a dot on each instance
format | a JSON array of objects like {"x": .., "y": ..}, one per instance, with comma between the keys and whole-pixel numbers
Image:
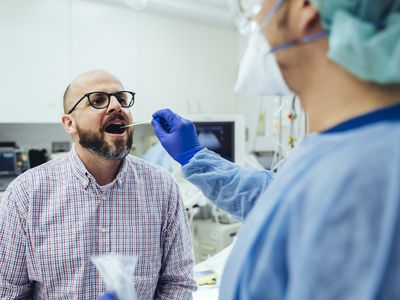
[{"x": 115, "y": 128}]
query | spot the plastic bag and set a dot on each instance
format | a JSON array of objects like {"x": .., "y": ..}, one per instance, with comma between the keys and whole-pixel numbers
[{"x": 117, "y": 272}]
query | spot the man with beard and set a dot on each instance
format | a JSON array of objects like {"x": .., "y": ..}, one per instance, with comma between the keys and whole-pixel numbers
[{"x": 95, "y": 200}]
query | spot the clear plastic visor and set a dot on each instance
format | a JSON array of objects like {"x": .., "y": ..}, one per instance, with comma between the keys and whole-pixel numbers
[{"x": 244, "y": 13}]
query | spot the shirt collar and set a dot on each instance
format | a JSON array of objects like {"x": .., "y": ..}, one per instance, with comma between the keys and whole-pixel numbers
[
  {"x": 390, "y": 113},
  {"x": 84, "y": 175}
]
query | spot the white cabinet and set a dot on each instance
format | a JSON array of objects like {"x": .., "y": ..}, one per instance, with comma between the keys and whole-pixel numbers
[{"x": 34, "y": 59}]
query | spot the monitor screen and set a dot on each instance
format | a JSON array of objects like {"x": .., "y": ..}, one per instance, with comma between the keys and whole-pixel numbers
[
  {"x": 218, "y": 137},
  {"x": 7, "y": 162}
]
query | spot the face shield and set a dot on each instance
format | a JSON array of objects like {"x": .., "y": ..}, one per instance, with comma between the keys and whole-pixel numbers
[{"x": 244, "y": 13}]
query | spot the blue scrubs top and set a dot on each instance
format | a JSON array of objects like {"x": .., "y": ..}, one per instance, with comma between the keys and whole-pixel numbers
[{"x": 327, "y": 226}]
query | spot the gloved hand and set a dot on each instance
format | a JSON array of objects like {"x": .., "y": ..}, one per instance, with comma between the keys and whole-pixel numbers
[
  {"x": 108, "y": 296},
  {"x": 177, "y": 135}
]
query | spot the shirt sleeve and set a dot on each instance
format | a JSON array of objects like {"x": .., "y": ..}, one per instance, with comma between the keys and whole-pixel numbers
[
  {"x": 14, "y": 280},
  {"x": 176, "y": 275},
  {"x": 230, "y": 187}
]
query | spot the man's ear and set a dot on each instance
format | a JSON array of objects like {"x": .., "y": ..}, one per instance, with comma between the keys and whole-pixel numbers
[
  {"x": 309, "y": 18},
  {"x": 68, "y": 124}
]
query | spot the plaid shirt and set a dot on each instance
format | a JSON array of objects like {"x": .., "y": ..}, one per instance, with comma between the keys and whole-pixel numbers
[{"x": 53, "y": 218}]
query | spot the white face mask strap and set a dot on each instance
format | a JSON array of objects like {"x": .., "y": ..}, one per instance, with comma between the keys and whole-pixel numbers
[{"x": 277, "y": 5}]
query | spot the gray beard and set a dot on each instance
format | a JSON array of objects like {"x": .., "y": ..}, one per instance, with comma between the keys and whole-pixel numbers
[{"x": 95, "y": 143}]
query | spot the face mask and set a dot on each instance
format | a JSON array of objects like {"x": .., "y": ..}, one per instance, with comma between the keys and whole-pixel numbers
[{"x": 259, "y": 73}]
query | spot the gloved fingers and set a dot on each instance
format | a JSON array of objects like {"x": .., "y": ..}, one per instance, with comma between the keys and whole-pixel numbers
[
  {"x": 171, "y": 118},
  {"x": 158, "y": 128},
  {"x": 108, "y": 296},
  {"x": 162, "y": 113}
]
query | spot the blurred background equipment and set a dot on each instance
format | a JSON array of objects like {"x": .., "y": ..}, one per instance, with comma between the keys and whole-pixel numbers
[
  {"x": 8, "y": 166},
  {"x": 37, "y": 157}
]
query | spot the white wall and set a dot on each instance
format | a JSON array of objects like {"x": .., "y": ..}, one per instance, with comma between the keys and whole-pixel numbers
[
  {"x": 186, "y": 66},
  {"x": 168, "y": 62}
]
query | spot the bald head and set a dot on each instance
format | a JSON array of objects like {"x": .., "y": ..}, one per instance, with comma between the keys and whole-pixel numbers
[{"x": 90, "y": 81}]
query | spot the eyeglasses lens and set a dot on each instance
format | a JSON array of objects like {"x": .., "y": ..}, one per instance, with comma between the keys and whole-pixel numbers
[
  {"x": 98, "y": 100},
  {"x": 124, "y": 98}
]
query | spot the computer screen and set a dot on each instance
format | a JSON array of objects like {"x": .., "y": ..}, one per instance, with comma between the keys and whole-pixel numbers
[
  {"x": 8, "y": 164},
  {"x": 223, "y": 134},
  {"x": 218, "y": 137}
]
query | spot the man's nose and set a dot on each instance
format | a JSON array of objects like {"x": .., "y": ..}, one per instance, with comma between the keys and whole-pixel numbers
[{"x": 114, "y": 105}]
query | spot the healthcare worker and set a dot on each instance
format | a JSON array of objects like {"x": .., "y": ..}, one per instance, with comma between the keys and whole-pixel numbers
[{"x": 327, "y": 225}]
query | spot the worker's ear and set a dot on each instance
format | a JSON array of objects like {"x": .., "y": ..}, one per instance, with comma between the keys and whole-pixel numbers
[
  {"x": 308, "y": 18},
  {"x": 68, "y": 124}
]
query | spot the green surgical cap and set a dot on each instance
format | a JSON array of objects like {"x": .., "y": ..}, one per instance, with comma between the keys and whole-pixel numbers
[{"x": 364, "y": 37}]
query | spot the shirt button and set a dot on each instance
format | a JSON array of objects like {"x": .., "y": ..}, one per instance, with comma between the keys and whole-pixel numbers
[{"x": 104, "y": 230}]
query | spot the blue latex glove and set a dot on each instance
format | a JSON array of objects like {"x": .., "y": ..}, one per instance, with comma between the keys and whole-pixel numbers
[
  {"x": 108, "y": 296},
  {"x": 177, "y": 135}
]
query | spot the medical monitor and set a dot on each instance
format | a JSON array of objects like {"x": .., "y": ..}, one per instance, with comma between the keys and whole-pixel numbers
[
  {"x": 223, "y": 134},
  {"x": 8, "y": 162}
]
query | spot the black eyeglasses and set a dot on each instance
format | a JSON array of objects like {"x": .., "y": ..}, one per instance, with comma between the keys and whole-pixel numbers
[{"x": 101, "y": 100}]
